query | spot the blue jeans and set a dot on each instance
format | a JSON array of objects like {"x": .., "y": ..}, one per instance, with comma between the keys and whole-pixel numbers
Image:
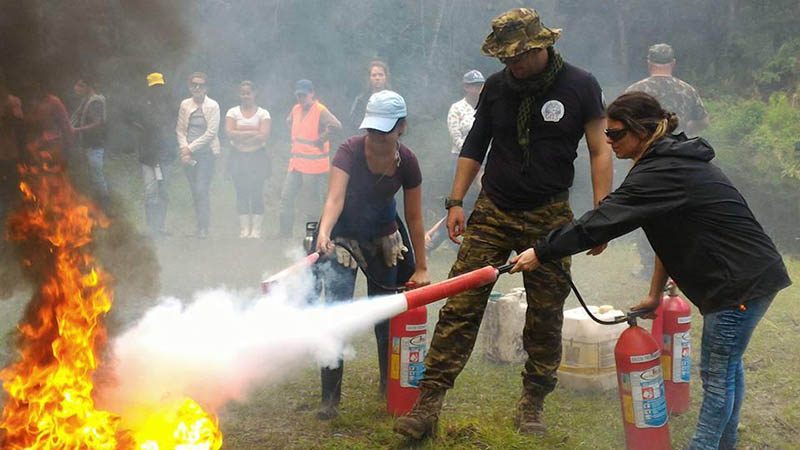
[
  {"x": 98, "y": 181},
  {"x": 156, "y": 199},
  {"x": 295, "y": 186},
  {"x": 726, "y": 334},
  {"x": 339, "y": 283},
  {"x": 199, "y": 176}
]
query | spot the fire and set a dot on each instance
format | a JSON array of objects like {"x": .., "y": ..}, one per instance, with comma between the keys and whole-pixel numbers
[{"x": 50, "y": 404}]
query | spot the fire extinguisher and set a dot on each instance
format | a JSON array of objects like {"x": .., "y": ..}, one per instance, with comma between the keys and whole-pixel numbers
[
  {"x": 407, "y": 346},
  {"x": 641, "y": 388},
  {"x": 676, "y": 359}
]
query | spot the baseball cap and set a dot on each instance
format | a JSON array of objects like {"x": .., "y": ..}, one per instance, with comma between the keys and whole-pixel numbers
[
  {"x": 384, "y": 109},
  {"x": 303, "y": 87},
  {"x": 660, "y": 54},
  {"x": 154, "y": 79},
  {"x": 474, "y": 77}
]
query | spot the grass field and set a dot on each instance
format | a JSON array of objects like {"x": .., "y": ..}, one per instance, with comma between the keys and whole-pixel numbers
[{"x": 478, "y": 412}]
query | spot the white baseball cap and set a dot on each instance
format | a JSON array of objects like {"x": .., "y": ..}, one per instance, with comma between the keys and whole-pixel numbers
[{"x": 384, "y": 109}]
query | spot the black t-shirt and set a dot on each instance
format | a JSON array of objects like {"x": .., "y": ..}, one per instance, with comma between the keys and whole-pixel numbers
[{"x": 557, "y": 128}]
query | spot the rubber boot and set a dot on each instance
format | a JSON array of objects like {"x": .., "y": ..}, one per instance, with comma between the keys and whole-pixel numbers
[
  {"x": 244, "y": 225},
  {"x": 255, "y": 230},
  {"x": 331, "y": 392},
  {"x": 530, "y": 413},
  {"x": 423, "y": 420}
]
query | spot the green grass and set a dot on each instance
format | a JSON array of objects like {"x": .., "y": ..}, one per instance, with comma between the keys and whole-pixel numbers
[{"x": 478, "y": 412}]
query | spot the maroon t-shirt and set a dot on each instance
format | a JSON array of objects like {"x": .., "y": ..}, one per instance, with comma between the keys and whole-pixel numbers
[{"x": 369, "y": 206}]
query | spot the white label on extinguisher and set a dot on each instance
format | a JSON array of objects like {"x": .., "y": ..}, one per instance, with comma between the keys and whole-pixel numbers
[
  {"x": 685, "y": 319},
  {"x": 681, "y": 357},
  {"x": 412, "y": 360},
  {"x": 649, "y": 402},
  {"x": 416, "y": 327},
  {"x": 635, "y": 359}
]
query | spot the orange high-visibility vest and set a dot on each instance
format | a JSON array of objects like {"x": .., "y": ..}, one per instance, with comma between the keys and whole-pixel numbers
[{"x": 307, "y": 157}]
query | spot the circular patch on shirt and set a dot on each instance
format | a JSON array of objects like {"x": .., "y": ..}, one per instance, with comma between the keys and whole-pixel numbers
[{"x": 552, "y": 111}]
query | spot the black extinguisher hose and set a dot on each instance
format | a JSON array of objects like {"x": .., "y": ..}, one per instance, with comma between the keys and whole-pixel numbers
[{"x": 629, "y": 317}]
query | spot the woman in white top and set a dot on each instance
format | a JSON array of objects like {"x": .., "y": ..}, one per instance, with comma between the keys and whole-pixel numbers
[
  {"x": 197, "y": 129},
  {"x": 248, "y": 127}
]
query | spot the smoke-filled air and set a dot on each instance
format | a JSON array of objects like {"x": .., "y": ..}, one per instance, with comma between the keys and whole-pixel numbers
[{"x": 399, "y": 224}]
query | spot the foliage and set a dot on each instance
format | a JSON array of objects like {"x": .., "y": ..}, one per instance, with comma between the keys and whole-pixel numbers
[{"x": 782, "y": 70}]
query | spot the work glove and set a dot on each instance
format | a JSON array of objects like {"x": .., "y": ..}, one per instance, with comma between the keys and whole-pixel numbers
[
  {"x": 392, "y": 248},
  {"x": 344, "y": 257}
]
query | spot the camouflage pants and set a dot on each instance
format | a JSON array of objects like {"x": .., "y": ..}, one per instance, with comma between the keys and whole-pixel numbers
[{"x": 490, "y": 236}]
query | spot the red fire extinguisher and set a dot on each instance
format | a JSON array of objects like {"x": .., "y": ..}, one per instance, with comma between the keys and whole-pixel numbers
[
  {"x": 676, "y": 356},
  {"x": 641, "y": 389},
  {"x": 407, "y": 346}
]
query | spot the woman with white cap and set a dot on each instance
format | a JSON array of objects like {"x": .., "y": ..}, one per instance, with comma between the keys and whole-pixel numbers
[{"x": 360, "y": 211}]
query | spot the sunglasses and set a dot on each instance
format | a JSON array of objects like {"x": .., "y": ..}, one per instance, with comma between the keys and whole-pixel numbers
[
  {"x": 197, "y": 85},
  {"x": 519, "y": 57},
  {"x": 615, "y": 134}
]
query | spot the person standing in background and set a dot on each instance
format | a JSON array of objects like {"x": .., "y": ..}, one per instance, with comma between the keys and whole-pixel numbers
[
  {"x": 197, "y": 128},
  {"x": 459, "y": 122},
  {"x": 155, "y": 121},
  {"x": 671, "y": 92},
  {"x": 89, "y": 124},
  {"x": 248, "y": 127},
  {"x": 674, "y": 95},
  {"x": 311, "y": 126},
  {"x": 377, "y": 80}
]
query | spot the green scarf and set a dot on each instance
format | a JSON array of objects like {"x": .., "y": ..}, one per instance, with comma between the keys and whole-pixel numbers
[{"x": 530, "y": 89}]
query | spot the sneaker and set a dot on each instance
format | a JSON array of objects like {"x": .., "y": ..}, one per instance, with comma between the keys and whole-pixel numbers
[{"x": 423, "y": 420}]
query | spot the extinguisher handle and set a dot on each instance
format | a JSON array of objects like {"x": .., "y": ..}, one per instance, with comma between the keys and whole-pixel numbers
[{"x": 410, "y": 286}]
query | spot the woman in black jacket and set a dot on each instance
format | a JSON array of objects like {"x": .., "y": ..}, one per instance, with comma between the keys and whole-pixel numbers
[{"x": 705, "y": 237}]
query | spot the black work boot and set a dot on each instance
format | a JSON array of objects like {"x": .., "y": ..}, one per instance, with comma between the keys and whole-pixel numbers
[
  {"x": 530, "y": 413},
  {"x": 423, "y": 419},
  {"x": 331, "y": 392}
]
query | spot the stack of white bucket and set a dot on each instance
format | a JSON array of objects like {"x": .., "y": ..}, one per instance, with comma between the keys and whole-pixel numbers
[
  {"x": 587, "y": 361},
  {"x": 502, "y": 326}
]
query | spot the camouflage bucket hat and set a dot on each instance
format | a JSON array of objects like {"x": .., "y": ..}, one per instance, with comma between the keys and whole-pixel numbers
[{"x": 515, "y": 32}]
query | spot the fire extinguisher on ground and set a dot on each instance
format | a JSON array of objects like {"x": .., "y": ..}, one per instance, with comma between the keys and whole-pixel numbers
[
  {"x": 407, "y": 347},
  {"x": 676, "y": 359},
  {"x": 641, "y": 388}
]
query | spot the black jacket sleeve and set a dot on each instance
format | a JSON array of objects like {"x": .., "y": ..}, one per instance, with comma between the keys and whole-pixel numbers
[{"x": 648, "y": 193}]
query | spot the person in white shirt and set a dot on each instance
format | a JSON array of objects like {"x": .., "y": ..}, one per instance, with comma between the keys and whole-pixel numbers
[
  {"x": 197, "y": 129},
  {"x": 459, "y": 122},
  {"x": 248, "y": 127}
]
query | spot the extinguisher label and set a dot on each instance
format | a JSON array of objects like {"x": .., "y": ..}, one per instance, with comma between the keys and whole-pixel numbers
[
  {"x": 412, "y": 360},
  {"x": 681, "y": 357},
  {"x": 685, "y": 319},
  {"x": 645, "y": 358},
  {"x": 416, "y": 327},
  {"x": 649, "y": 402}
]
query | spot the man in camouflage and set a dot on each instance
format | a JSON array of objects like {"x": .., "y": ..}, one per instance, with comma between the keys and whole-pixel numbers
[
  {"x": 675, "y": 95},
  {"x": 533, "y": 113}
]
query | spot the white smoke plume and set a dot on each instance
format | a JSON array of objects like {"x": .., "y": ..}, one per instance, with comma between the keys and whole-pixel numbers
[{"x": 215, "y": 348}]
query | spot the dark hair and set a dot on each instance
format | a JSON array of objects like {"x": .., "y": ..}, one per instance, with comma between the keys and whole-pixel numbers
[
  {"x": 643, "y": 115},
  {"x": 382, "y": 65},
  {"x": 198, "y": 75},
  {"x": 88, "y": 79}
]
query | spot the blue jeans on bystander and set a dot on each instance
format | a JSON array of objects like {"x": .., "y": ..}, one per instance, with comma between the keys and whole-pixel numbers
[{"x": 726, "y": 334}]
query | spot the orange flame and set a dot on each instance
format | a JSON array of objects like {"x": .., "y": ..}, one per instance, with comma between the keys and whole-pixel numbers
[{"x": 50, "y": 404}]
